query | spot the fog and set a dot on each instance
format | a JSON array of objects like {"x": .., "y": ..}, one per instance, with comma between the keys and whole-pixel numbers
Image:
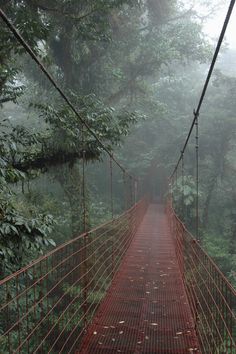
[
  {"x": 212, "y": 26},
  {"x": 132, "y": 72}
]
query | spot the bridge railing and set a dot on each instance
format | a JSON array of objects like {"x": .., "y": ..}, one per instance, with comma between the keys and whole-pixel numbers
[
  {"x": 46, "y": 306},
  {"x": 212, "y": 299}
]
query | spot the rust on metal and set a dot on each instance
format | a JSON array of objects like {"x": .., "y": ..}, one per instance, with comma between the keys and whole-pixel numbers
[{"x": 146, "y": 309}]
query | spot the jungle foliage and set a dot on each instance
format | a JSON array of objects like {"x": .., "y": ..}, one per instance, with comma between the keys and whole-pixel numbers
[{"x": 126, "y": 65}]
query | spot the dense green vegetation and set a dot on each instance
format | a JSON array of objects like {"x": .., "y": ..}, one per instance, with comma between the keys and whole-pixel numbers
[
  {"x": 216, "y": 164},
  {"x": 127, "y": 66}
]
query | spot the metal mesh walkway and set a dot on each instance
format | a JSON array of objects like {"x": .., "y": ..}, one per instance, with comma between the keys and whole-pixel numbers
[{"x": 146, "y": 309}]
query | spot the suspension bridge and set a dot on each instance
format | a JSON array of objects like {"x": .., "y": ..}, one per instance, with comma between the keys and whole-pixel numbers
[{"x": 140, "y": 283}]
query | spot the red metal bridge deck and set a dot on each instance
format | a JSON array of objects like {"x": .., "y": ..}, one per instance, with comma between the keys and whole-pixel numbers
[{"x": 146, "y": 309}]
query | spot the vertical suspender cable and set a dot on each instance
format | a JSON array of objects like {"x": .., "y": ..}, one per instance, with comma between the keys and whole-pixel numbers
[
  {"x": 182, "y": 172},
  {"x": 125, "y": 193},
  {"x": 111, "y": 188},
  {"x": 84, "y": 253},
  {"x": 197, "y": 175},
  {"x": 176, "y": 183},
  {"x": 112, "y": 216},
  {"x": 204, "y": 90},
  {"x": 171, "y": 187},
  {"x": 83, "y": 182},
  {"x": 66, "y": 99},
  {"x": 136, "y": 184},
  {"x": 131, "y": 190}
]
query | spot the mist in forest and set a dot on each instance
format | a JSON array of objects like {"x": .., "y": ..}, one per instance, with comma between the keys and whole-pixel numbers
[{"x": 134, "y": 70}]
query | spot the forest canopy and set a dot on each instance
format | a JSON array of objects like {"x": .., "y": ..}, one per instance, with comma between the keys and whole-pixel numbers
[{"x": 133, "y": 70}]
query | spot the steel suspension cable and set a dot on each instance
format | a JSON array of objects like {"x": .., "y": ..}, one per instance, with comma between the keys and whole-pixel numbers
[
  {"x": 83, "y": 183},
  {"x": 136, "y": 186},
  {"x": 111, "y": 189},
  {"x": 125, "y": 191},
  {"x": 213, "y": 62},
  {"x": 131, "y": 192},
  {"x": 197, "y": 177},
  {"x": 112, "y": 211},
  {"x": 182, "y": 173},
  {"x": 85, "y": 235},
  {"x": 34, "y": 57}
]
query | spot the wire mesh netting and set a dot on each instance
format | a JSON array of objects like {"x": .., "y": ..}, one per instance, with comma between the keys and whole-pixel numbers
[
  {"x": 211, "y": 297},
  {"x": 46, "y": 306}
]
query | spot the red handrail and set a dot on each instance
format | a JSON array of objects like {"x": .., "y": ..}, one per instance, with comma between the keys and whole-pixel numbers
[
  {"x": 46, "y": 306},
  {"x": 212, "y": 298}
]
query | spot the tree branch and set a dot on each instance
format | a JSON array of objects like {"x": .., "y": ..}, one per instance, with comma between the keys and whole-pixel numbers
[
  {"x": 68, "y": 14},
  {"x": 53, "y": 159},
  {"x": 6, "y": 99}
]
